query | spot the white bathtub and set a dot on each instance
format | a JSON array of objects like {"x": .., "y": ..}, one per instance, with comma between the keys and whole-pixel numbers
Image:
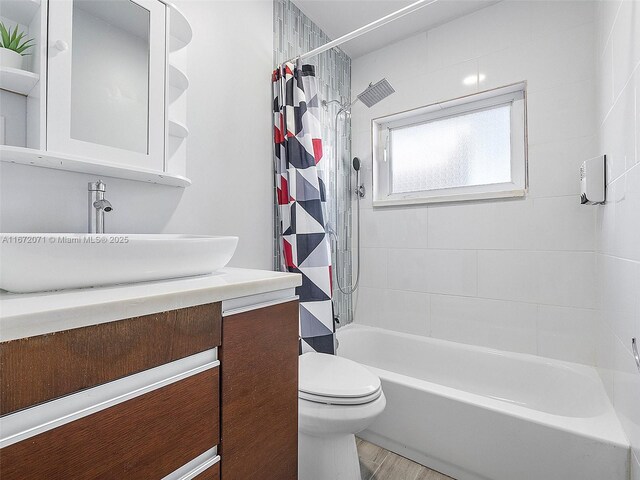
[{"x": 475, "y": 413}]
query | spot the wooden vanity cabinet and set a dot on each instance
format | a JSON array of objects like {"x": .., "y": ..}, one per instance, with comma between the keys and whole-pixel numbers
[
  {"x": 130, "y": 399},
  {"x": 244, "y": 404}
]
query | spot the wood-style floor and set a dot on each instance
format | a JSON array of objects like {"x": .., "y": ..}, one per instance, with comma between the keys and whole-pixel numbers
[{"x": 376, "y": 463}]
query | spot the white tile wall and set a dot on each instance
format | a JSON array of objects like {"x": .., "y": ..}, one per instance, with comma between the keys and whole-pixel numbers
[
  {"x": 605, "y": 81},
  {"x": 398, "y": 310},
  {"x": 567, "y": 56},
  {"x": 618, "y": 130},
  {"x": 492, "y": 323},
  {"x": 386, "y": 228},
  {"x": 567, "y": 278},
  {"x": 619, "y": 287},
  {"x": 373, "y": 267},
  {"x": 408, "y": 269},
  {"x": 626, "y": 395},
  {"x": 453, "y": 272},
  {"x": 511, "y": 274},
  {"x": 567, "y": 333},
  {"x": 624, "y": 40},
  {"x": 508, "y": 275},
  {"x": 563, "y": 157},
  {"x": 409, "y": 311},
  {"x": 398, "y": 65},
  {"x": 552, "y": 16},
  {"x": 618, "y": 239},
  {"x": 485, "y": 225},
  {"x": 626, "y": 228},
  {"x": 562, "y": 113},
  {"x": 561, "y": 223}
]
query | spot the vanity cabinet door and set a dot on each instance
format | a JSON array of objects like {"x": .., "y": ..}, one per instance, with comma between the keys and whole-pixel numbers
[
  {"x": 106, "y": 81},
  {"x": 259, "y": 394}
]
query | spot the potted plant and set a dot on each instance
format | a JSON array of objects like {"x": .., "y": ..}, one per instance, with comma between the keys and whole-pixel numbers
[{"x": 12, "y": 46}]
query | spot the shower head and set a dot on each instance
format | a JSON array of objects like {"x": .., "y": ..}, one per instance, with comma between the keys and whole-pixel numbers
[
  {"x": 376, "y": 92},
  {"x": 356, "y": 164}
]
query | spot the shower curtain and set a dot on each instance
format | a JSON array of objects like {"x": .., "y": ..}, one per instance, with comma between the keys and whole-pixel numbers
[{"x": 301, "y": 200}]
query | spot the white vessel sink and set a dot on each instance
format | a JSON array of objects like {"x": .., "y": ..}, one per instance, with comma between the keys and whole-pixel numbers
[{"x": 35, "y": 262}]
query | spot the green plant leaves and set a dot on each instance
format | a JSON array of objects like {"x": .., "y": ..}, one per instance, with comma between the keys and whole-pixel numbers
[
  {"x": 5, "y": 37},
  {"x": 13, "y": 40}
]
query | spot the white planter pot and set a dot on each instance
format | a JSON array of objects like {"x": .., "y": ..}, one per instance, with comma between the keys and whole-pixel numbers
[{"x": 9, "y": 58}]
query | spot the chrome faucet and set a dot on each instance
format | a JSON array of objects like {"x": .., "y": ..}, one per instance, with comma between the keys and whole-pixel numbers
[{"x": 98, "y": 205}]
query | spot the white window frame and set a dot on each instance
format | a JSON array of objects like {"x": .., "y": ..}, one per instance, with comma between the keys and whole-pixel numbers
[{"x": 515, "y": 95}]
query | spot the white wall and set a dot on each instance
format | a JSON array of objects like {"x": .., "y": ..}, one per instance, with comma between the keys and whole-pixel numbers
[
  {"x": 514, "y": 274},
  {"x": 618, "y": 53},
  {"x": 14, "y": 113},
  {"x": 229, "y": 149}
]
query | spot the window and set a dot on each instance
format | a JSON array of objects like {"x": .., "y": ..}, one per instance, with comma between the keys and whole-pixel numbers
[{"x": 464, "y": 149}]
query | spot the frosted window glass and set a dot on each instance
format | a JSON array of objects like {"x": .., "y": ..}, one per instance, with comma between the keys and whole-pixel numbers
[{"x": 466, "y": 150}]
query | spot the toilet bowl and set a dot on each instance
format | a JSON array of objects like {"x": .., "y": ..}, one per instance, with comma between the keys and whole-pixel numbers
[{"x": 337, "y": 398}]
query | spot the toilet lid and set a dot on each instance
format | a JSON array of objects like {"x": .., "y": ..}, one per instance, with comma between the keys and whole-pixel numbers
[{"x": 330, "y": 376}]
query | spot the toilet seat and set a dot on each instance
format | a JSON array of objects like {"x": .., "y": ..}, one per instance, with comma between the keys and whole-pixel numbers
[
  {"x": 340, "y": 400},
  {"x": 334, "y": 380}
]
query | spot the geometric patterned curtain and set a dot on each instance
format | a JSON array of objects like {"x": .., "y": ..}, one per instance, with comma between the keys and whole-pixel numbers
[{"x": 301, "y": 195}]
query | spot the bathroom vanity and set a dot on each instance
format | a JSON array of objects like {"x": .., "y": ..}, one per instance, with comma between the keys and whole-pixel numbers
[{"x": 177, "y": 379}]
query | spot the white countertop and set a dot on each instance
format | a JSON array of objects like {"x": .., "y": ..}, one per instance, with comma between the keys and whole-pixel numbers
[{"x": 28, "y": 314}]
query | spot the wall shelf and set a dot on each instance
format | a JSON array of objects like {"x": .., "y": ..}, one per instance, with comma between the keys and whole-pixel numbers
[
  {"x": 180, "y": 28},
  {"x": 59, "y": 161},
  {"x": 177, "y": 129},
  {"x": 20, "y": 11},
  {"x": 18, "y": 81},
  {"x": 177, "y": 78}
]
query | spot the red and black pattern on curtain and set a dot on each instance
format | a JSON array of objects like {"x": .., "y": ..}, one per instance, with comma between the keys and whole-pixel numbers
[{"x": 301, "y": 196}]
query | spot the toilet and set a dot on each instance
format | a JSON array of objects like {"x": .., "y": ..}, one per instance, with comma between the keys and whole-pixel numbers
[{"x": 337, "y": 398}]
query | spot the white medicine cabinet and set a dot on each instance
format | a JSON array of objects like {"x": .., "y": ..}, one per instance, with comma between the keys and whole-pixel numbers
[{"x": 103, "y": 90}]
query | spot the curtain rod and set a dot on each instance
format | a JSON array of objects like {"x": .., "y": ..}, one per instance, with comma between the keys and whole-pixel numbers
[{"x": 367, "y": 28}]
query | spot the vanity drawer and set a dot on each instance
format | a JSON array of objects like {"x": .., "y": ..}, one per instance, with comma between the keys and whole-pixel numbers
[
  {"x": 41, "y": 368},
  {"x": 146, "y": 437},
  {"x": 211, "y": 473}
]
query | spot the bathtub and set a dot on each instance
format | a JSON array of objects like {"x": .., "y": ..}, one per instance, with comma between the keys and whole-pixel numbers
[{"x": 475, "y": 413}]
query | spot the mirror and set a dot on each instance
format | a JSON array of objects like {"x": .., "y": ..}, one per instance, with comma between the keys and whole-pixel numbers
[{"x": 110, "y": 74}]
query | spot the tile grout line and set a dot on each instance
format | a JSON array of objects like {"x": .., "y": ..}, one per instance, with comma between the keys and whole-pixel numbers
[
  {"x": 617, "y": 97},
  {"x": 610, "y": 32}
]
